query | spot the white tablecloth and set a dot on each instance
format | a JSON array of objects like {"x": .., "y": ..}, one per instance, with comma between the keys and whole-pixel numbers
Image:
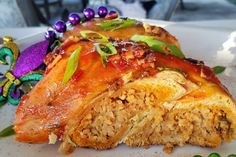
[{"x": 19, "y": 33}]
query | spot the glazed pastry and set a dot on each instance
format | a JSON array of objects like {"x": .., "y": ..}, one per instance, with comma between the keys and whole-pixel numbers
[{"x": 131, "y": 92}]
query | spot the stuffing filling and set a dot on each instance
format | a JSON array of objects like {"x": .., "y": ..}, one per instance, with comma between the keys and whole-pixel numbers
[{"x": 144, "y": 113}]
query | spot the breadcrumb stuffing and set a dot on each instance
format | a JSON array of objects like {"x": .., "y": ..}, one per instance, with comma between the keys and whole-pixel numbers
[
  {"x": 52, "y": 138},
  {"x": 168, "y": 148}
]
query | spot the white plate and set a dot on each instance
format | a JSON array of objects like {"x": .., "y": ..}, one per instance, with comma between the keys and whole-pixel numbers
[{"x": 214, "y": 46}]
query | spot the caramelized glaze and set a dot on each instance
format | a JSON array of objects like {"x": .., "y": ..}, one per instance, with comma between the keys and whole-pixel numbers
[{"x": 49, "y": 106}]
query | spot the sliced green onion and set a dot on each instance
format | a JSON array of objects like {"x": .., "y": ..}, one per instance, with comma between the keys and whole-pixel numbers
[
  {"x": 55, "y": 44},
  {"x": 8, "y": 131},
  {"x": 94, "y": 36},
  {"x": 72, "y": 65},
  {"x": 157, "y": 45},
  {"x": 116, "y": 24},
  {"x": 105, "y": 50},
  {"x": 218, "y": 69},
  {"x": 103, "y": 47},
  {"x": 197, "y": 156},
  {"x": 232, "y": 155},
  {"x": 214, "y": 155}
]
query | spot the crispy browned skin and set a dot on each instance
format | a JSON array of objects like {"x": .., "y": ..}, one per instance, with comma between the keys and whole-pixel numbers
[{"x": 102, "y": 106}]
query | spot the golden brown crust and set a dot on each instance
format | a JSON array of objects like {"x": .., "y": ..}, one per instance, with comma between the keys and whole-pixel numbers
[{"x": 129, "y": 101}]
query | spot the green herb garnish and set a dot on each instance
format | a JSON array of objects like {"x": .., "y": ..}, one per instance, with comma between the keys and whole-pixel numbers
[
  {"x": 94, "y": 36},
  {"x": 8, "y": 131},
  {"x": 157, "y": 45},
  {"x": 214, "y": 155},
  {"x": 117, "y": 23},
  {"x": 55, "y": 44},
  {"x": 102, "y": 46},
  {"x": 105, "y": 50},
  {"x": 218, "y": 69},
  {"x": 72, "y": 65}
]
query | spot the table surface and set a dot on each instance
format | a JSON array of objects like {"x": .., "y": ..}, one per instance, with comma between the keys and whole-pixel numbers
[{"x": 19, "y": 33}]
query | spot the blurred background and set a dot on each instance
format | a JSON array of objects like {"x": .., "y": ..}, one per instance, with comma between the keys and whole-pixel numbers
[{"x": 25, "y": 13}]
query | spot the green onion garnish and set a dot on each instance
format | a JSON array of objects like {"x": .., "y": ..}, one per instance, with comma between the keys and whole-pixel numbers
[
  {"x": 105, "y": 50},
  {"x": 232, "y": 155},
  {"x": 218, "y": 69},
  {"x": 102, "y": 46},
  {"x": 214, "y": 155},
  {"x": 157, "y": 45},
  {"x": 55, "y": 44},
  {"x": 94, "y": 36},
  {"x": 8, "y": 131},
  {"x": 117, "y": 23},
  {"x": 72, "y": 65}
]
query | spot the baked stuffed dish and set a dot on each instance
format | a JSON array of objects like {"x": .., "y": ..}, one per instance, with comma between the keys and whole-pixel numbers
[{"x": 115, "y": 80}]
